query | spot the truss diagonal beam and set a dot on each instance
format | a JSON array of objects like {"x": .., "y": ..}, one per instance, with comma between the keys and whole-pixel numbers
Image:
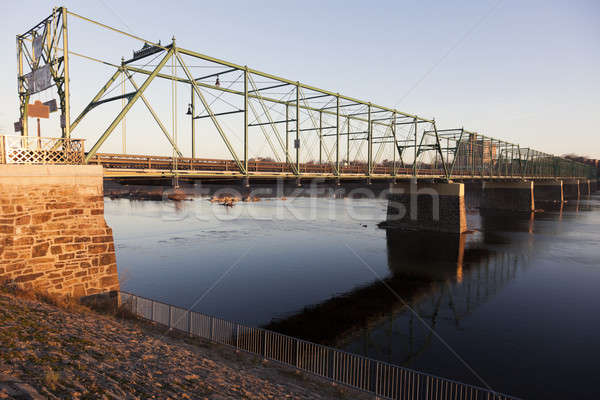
[
  {"x": 97, "y": 97},
  {"x": 158, "y": 121},
  {"x": 268, "y": 115},
  {"x": 130, "y": 104},
  {"x": 264, "y": 131},
  {"x": 210, "y": 112}
]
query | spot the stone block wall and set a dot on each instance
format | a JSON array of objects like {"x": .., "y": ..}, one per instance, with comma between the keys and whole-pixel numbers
[
  {"x": 571, "y": 189},
  {"x": 427, "y": 207},
  {"x": 585, "y": 187},
  {"x": 53, "y": 235},
  {"x": 548, "y": 192},
  {"x": 508, "y": 196}
]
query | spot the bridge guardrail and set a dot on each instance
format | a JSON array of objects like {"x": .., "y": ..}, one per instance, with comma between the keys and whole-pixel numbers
[
  {"x": 386, "y": 381},
  {"x": 40, "y": 150},
  {"x": 562, "y": 170}
]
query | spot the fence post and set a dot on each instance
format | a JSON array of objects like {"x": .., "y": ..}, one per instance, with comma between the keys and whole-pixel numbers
[
  {"x": 2, "y": 150},
  {"x": 237, "y": 336},
  {"x": 297, "y": 353},
  {"x": 377, "y": 380},
  {"x": 190, "y": 322},
  {"x": 212, "y": 327},
  {"x": 152, "y": 310},
  {"x": 264, "y": 352},
  {"x": 169, "y": 317}
]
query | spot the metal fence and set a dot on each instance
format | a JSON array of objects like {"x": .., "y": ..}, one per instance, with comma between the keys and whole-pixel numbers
[
  {"x": 40, "y": 150},
  {"x": 384, "y": 380}
]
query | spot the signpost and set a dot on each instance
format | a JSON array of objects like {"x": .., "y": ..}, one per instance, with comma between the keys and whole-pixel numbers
[{"x": 38, "y": 110}]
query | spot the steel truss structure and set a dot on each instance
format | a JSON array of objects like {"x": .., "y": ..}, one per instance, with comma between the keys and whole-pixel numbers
[
  {"x": 351, "y": 134},
  {"x": 44, "y": 45}
]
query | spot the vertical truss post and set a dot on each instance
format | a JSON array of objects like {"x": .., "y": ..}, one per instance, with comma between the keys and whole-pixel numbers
[
  {"x": 246, "y": 119},
  {"x": 457, "y": 150},
  {"x": 67, "y": 107},
  {"x": 348, "y": 142},
  {"x": 297, "y": 141},
  {"x": 519, "y": 159},
  {"x": 512, "y": 159},
  {"x": 123, "y": 122},
  {"x": 491, "y": 151},
  {"x": 193, "y": 103},
  {"x": 472, "y": 149},
  {"x": 320, "y": 137},
  {"x": 482, "y": 154},
  {"x": 439, "y": 147},
  {"x": 415, "y": 151},
  {"x": 287, "y": 133},
  {"x": 124, "y": 111},
  {"x": 447, "y": 149},
  {"x": 395, "y": 144},
  {"x": 370, "y": 142},
  {"x": 337, "y": 135},
  {"x": 23, "y": 93},
  {"x": 174, "y": 110}
]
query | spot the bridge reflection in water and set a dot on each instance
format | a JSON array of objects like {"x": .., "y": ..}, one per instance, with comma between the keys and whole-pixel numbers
[{"x": 444, "y": 278}]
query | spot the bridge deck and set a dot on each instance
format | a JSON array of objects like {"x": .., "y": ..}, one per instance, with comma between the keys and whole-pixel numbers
[{"x": 124, "y": 166}]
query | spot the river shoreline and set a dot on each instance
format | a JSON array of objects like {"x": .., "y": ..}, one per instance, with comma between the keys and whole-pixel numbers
[{"x": 52, "y": 352}]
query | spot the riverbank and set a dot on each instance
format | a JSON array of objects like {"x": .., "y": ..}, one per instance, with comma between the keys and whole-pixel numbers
[{"x": 69, "y": 351}]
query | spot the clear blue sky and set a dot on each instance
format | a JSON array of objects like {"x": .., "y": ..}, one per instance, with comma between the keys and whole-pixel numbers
[{"x": 527, "y": 72}]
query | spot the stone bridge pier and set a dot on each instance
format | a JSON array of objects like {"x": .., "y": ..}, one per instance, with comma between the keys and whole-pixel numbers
[
  {"x": 53, "y": 236},
  {"x": 585, "y": 187},
  {"x": 572, "y": 189},
  {"x": 548, "y": 192},
  {"x": 427, "y": 206},
  {"x": 508, "y": 196}
]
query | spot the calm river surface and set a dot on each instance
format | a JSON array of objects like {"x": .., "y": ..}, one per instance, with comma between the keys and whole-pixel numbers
[{"x": 518, "y": 299}]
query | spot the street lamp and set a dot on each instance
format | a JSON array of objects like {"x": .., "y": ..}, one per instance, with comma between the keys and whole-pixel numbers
[{"x": 190, "y": 112}]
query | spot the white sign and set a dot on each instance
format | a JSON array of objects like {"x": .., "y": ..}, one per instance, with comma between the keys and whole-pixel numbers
[
  {"x": 39, "y": 79},
  {"x": 38, "y": 43}
]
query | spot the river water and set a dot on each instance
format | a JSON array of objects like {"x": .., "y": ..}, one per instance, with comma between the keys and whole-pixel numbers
[{"x": 513, "y": 305}]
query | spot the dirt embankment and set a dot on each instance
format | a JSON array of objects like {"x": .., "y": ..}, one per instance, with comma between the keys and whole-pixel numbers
[{"x": 52, "y": 352}]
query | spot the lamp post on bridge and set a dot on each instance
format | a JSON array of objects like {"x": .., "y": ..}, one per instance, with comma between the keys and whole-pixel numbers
[{"x": 190, "y": 112}]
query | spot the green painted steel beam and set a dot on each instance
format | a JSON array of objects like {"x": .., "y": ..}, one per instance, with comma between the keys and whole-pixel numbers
[
  {"x": 291, "y": 82},
  {"x": 130, "y": 104}
]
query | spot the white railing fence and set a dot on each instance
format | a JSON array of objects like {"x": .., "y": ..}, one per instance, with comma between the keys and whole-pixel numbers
[
  {"x": 384, "y": 380},
  {"x": 40, "y": 150}
]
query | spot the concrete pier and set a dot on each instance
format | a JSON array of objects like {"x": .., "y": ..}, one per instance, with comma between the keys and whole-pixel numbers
[
  {"x": 508, "y": 196},
  {"x": 53, "y": 236},
  {"x": 548, "y": 192},
  {"x": 571, "y": 189},
  {"x": 585, "y": 187},
  {"x": 434, "y": 207}
]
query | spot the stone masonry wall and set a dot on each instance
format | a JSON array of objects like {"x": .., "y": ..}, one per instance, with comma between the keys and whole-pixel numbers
[
  {"x": 508, "y": 196},
  {"x": 451, "y": 210},
  {"x": 53, "y": 235},
  {"x": 548, "y": 192},
  {"x": 571, "y": 190}
]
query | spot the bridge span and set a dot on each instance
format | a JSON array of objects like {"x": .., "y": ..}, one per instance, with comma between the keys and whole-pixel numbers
[{"x": 268, "y": 127}]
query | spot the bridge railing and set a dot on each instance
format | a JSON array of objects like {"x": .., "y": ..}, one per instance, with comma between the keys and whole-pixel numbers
[
  {"x": 538, "y": 167},
  {"x": 386, "y": 381},
  {"x": 40, "y": 150}
]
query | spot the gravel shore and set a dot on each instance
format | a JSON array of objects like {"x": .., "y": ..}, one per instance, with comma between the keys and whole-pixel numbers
[{"x": 55, "y": 353}]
